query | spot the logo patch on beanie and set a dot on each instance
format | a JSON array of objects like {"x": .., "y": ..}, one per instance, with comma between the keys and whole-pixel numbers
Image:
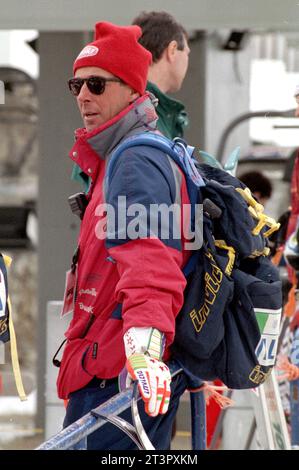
[{"x": 88, "y": 51}]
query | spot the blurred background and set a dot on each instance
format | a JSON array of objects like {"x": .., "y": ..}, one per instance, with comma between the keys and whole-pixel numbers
[{"x": 244, "y": 59}]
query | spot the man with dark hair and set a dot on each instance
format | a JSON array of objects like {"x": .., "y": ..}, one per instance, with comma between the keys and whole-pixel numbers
[{"x": 167, "y": 41}]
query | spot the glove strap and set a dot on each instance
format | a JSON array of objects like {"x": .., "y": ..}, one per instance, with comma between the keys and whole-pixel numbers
[
  {"x": 155, "y": 346},
  {"x": 144, "y": 340}
]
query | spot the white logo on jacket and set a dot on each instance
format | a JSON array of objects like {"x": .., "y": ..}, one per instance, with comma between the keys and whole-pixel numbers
[
  {"x": 91, "y": 291},
  {"x": 88, "y": 309}
]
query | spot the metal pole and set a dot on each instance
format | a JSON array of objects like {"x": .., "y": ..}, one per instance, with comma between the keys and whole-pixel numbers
[{"x": 198, "y": 420}]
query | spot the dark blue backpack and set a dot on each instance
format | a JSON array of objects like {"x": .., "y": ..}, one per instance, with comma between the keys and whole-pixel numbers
[{"x": 229, "y": 324}]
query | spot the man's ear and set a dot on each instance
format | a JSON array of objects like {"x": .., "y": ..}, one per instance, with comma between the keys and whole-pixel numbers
[
  {"x": 133, "y": 95},
  {"x": 170, "y": 51}
]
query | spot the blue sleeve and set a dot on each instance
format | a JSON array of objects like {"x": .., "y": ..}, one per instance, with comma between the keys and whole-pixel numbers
[{"x": 144, "y": 198}]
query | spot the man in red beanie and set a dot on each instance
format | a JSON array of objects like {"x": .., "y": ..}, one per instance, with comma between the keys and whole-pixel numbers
[{"x": 124, "y": 290}]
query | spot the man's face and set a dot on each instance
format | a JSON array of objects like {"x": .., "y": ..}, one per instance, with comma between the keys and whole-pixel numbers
[
  {"x": 98, "y": 109},
  {"x": 180, "y": 66}
]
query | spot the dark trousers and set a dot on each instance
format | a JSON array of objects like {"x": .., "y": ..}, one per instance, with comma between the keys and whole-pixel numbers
[{"x": 108, "y": 437}]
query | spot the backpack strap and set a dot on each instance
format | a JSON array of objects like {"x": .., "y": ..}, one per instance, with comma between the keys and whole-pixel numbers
[
  {"x": 5, "y": 263},
  {"x": 182, "y": 154},
  {"x": 178, "y": 150},
  {"x": 15, "y": 357}
]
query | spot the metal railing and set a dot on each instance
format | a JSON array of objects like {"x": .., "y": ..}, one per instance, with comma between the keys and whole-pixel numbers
[{"x": 220, "y": 155}]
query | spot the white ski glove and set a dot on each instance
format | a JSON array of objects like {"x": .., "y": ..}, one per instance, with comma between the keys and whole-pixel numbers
[{"x": 144, "y": 348}]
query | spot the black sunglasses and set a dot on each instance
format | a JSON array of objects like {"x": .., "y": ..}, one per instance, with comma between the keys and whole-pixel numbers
[{"x": 95, "y": 84}]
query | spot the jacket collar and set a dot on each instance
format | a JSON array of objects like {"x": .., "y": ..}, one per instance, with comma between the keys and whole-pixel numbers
[
  {"x": 168, "y": 103},
  {"x": 91, "y": 149}
]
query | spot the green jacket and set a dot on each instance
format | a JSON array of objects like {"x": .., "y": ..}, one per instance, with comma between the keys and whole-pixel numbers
[
  {"x": 172, "y": 115},
  {"x": 172, "y": 121}
]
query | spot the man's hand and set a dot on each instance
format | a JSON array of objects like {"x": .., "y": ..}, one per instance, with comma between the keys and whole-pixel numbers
[{"x": 154, "y": 379}]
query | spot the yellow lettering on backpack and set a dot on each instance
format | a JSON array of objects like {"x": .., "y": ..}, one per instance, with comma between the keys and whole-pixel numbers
[
  {"x": 199, "y": 318},
  {"x": 210, "y": 293},
  {"x": 212, "y": 285}
]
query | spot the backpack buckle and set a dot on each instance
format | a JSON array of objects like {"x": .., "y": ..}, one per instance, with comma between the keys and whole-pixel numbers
[{"x": 256, "y": 210}]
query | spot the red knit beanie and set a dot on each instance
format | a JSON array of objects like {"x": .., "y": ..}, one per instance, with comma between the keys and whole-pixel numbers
[{"x": 116, "y": 49}]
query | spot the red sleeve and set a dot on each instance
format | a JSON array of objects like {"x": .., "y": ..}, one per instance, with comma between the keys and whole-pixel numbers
[{"x": 151, "y": 285}]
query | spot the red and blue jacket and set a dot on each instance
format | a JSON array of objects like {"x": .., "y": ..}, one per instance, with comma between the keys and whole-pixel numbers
[{"x": 122, "y": 281}]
